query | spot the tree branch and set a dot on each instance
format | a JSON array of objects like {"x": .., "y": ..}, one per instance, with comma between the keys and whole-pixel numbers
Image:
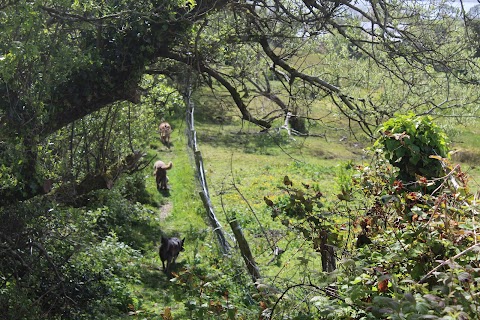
[{"x": 195, "y": 62}]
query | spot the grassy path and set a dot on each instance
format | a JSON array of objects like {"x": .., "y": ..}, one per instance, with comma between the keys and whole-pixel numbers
[{"x": 177, "y": 213}]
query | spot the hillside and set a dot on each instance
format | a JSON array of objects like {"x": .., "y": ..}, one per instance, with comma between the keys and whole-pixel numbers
[{"x": 243, "y": 166}]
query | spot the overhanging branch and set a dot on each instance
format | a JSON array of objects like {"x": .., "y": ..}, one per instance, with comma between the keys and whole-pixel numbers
[{"x": 201, "y": 67}]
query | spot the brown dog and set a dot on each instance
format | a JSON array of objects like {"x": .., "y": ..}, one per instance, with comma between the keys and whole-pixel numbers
[
  {"x": 169, "y": 250},
  {"x": 165, "y": 129},
  {"x": 160, "y": 172}
]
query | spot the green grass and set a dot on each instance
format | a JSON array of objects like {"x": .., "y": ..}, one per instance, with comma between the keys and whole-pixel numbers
[
  {"x": 242, "y": 167},
  {"x": 177, "y": 213},
  {"x": 465, "y": 146},
  {"x": 256, "y": 168}
]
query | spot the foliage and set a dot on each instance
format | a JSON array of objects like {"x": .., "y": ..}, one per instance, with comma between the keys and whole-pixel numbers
[
  {"x": 165, "y": 100},
  {"x": 352, "y": 49},
  {"x": 78, "y": 262},
  {"x": 77, "y": 235},
  {"x": 60, "y": 62},
  {"x": 217, "y": 290},
  {"x": 413, "y": 237},
  {"x": 110, "y": 265},
  {"x": 60, "y": 267},
  {"x": 413, "y": 145},
  {"x": 403, "y": 253}
]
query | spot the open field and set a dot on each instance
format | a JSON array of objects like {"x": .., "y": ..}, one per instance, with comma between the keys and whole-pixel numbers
[{"x": 243, "y": 166}]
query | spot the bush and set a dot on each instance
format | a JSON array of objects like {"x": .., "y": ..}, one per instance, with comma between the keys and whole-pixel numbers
[
  {"x": 133, "y": 188},
  {"x": 99, "y": 279},
  {"x": 400, "y": 254},
  {"x": 408, "y": 142}
]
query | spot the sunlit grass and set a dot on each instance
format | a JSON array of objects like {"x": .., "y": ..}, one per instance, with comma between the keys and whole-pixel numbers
[
  {"x": 178, "y": 213},
  {"x": 242, "y": 167}
]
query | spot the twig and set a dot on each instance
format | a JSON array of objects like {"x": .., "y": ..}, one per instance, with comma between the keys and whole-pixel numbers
[
  {"x": 327, "y": 291},
  {"x": 446, "y": 262},
  {"x": 249, "y": 206}
]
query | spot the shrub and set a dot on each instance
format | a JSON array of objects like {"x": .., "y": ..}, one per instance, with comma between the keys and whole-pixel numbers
[
  {"x": 100, "y": 276},
  {"x": 53, "y": 266},
  {"x": 133, "y": 188},
  {"x": 409, "y": 141},
  {"x": 404, "y": 254}
]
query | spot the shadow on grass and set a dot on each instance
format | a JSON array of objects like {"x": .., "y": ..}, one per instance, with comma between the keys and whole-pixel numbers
[
  {"x": 164, "y": 192},
  {"x": 250, "y": 142},
  {"x": 157, "y": 289},
  {"x": 142, "y": 233},
  {"x": 154, "y": 277}
]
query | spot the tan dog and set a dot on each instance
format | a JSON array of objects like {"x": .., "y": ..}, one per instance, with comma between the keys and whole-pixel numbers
[
  {"x": 165, "y": 130},
  {"x": 160, "y": 172}
]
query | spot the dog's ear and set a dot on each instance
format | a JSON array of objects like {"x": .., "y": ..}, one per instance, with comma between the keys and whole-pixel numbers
[
  {"x": 164, "y": 239},
  {"x": 183, "y": 240}
]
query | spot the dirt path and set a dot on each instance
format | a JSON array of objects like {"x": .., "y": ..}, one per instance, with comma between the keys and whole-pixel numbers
[{"x": 165, "y": 210}]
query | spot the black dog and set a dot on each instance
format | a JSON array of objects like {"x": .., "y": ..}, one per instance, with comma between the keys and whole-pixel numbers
[{"x": 169, "y": 250}]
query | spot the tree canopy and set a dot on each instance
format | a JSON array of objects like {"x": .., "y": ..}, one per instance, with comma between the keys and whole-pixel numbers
[
  {"x": 63, "y": 60},
  {"x": 82, "y": 57}
]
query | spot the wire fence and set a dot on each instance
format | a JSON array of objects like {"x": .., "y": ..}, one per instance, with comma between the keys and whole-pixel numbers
[{"x": 204, "y": 194}]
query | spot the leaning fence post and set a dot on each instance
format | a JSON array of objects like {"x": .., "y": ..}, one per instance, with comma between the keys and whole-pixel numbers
[{"x": 245, "y": 250}]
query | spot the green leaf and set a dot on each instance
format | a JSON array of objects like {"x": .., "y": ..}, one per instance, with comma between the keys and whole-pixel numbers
[{"x": 383, "y": 302}]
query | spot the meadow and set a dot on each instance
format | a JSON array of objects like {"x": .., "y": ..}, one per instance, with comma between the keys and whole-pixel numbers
[{"x": 243, "y": 166}]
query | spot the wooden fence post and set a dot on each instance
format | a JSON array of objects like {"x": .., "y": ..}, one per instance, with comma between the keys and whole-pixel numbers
[{"x": 245, "y": 250}]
